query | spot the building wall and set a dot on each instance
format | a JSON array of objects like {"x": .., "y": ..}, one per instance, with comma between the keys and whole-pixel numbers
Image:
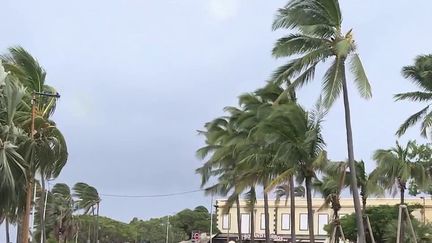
[{"x": 321, "y": 217}]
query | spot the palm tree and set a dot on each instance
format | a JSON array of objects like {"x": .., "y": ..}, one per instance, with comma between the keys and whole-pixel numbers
[
  {"x": 87, "y": 199},
  {"x": 395, "y": 167},
  {"x": 46, "y": 152},
  {"x": 420, "y": 74},
  {"x": 222, "y": 162},
  {"x": 330, "y": 187},
  {"x": 318, "y": 38},
  {"x": 298, "y": 136},
  {"x": 60, "y": 211}
]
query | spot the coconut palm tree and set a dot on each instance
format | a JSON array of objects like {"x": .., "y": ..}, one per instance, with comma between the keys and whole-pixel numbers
[
  {"x": 222, "y": 162},
  {"x": 298, "y": 135},
  {"x": 395, "y": 167},
  {"x": 87, "y": 199},
  {"x": 46, "y": 152},
  {"x": 60, "y": 211},
  {"x": 421, "y": 75},
  {"x": 317, "y": 38},
  {"x": 330, "y": 187}
]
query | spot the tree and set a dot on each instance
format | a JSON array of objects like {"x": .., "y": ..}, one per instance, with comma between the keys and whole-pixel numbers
[
  {"x": 395, "y": 167},
  {"x": 300, "y": 146},
  {"x": 46, "y": 151},
  {"x": 222, "y": 162},
  {"x": 318, "y": 38},
  {"x": 87, "y": 200},
  {"x": 330, "y": 187},
  {"x": 382, "y": 220},
  {"x": 421, "y": 75},
  {"x": 61, "y": 209}
]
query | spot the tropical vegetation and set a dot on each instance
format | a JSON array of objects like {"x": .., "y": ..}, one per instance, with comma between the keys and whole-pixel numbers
[{"x": 272, "y": 141}]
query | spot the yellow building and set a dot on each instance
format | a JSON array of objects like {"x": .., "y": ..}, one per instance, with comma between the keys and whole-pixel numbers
[{"x": 280, "y": 226}]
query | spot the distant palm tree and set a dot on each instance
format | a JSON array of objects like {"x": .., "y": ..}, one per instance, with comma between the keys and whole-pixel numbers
[
  {"x": 87, "y": 199},
  {"x": 319, "y": 38},
  {"x": 421, "y": 75},
  {"x": 330, "y": 187},
  {"x": 60, "y": 211},
  {"x": 395, "y": 167}
]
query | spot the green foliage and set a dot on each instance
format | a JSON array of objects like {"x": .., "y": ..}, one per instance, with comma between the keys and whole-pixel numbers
[
  {"x": 380, "y": 218},
  {"x": 421, "y": 75}
]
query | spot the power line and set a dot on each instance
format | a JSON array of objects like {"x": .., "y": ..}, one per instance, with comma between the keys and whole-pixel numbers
[{"x": 151, "y": 196}]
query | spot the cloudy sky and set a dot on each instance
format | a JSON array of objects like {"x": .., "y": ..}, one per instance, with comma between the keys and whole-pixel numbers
[{"x": 139, "y": 77}]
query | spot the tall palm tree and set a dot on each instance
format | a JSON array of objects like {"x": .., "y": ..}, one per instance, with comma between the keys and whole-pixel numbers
[
  {"x": 298, "y": 135},
  {"x": 12, "y": 164},
  {"x": 318, "y": 37},
  {"x": 222, "y": 161},
  {"x": 46, "y": 153},
  {"x": 420, "y": 74},
  {"x": 395, "y": 167},
  {"x": 87, "y": 198}
]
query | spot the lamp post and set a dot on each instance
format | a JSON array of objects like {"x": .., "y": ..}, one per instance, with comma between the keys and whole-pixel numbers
[{"x": 26, "y": 218}]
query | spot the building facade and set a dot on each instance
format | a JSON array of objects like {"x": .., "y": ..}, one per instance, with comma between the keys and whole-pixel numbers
[{"x": 280, "y": 225}]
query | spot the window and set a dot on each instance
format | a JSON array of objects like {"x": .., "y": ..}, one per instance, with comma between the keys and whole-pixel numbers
[
  {"x": 226, "y": 224},
  {"x": 262, "y": 221},
  {"x": 286, "y": 221},
  {"x": 245, "y": 223},
  {"x": 323, "y": 219},
  {"x": 304, "y": 222}
]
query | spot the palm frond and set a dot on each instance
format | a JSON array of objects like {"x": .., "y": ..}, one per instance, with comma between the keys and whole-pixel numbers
[{"x": 360, "y": 77}]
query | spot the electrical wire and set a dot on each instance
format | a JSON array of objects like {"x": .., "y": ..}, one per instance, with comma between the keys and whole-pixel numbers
[{"x": 151, "y": 196}]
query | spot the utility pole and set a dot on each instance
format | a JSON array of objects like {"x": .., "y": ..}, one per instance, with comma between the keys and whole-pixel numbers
[
  {"x": 30, "y": 177},
  {"x": 167, "y": 230}
]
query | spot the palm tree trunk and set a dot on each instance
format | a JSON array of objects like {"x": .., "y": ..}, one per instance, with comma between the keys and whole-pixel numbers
[
  {"x": 42, "y": 209},
  {"x": 351, "y": 163},
  {"x": 89, "y": 233},
  {"x": 293, "y": 211},
  {"x": 239, "y": 219},
  {"x": 7, "y": 230},
  {"x": 97, "y": 223},
  {"x": 309, "y": 210},
  {"x": 25, "y": 224},
  {"x": 402, "y": 202},
  {"x": 252, "y": 225},
  {"x": 266, "y": 216}
]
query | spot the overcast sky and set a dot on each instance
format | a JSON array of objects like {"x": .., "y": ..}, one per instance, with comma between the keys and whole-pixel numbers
[{"x": 139, "y": 77}]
